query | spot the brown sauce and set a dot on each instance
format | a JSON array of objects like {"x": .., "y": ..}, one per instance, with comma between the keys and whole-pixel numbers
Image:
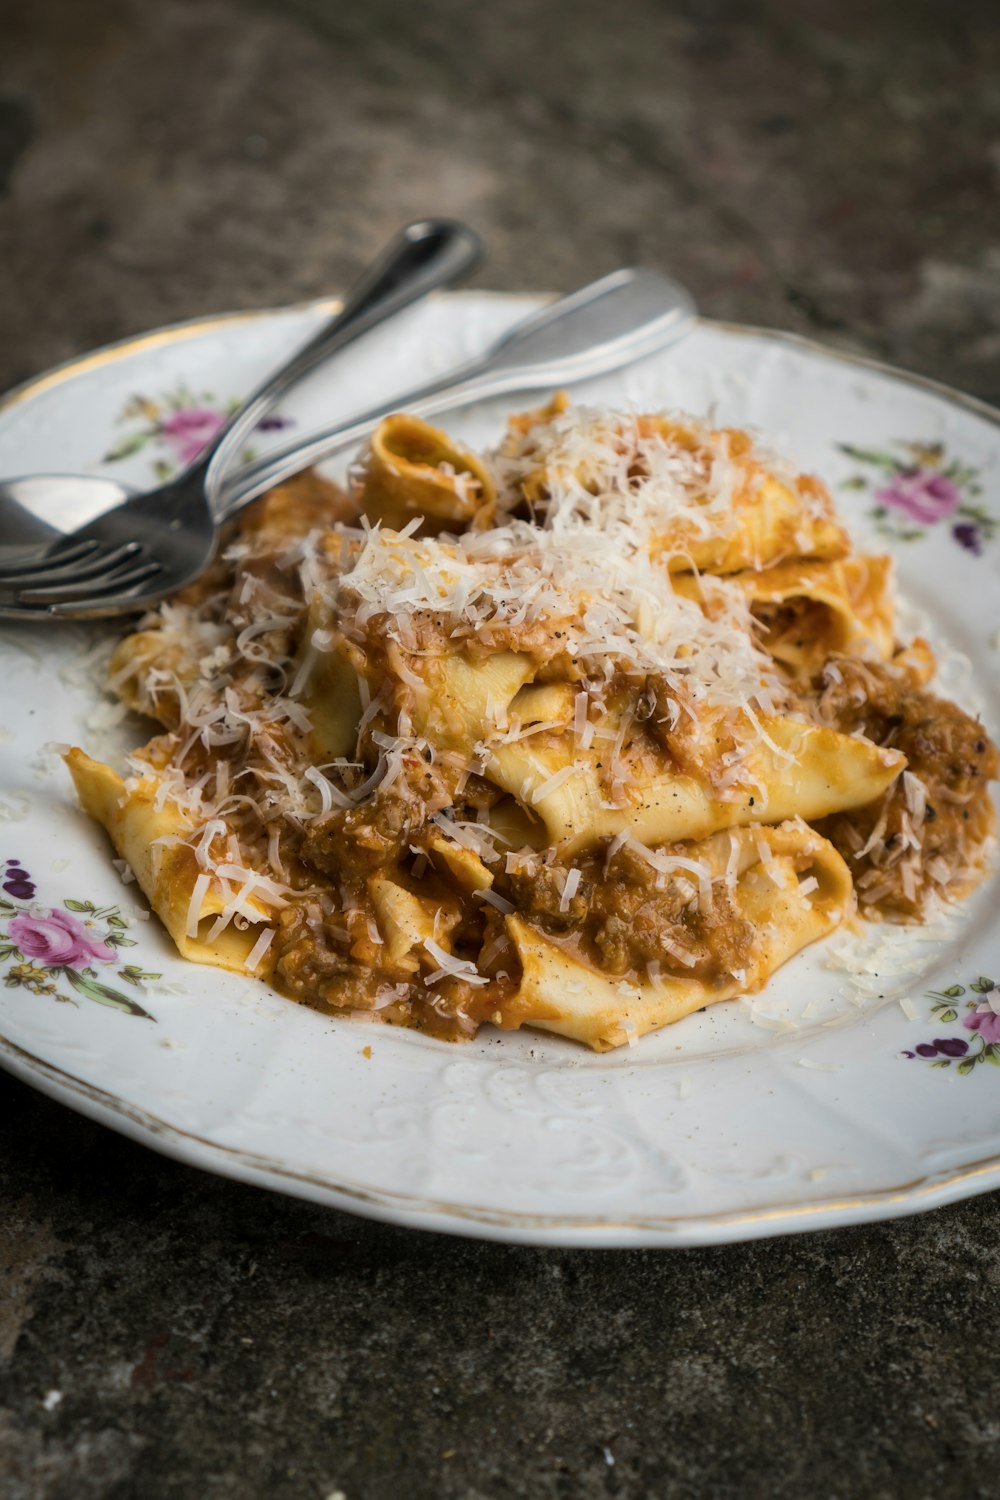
[
  {"x": 623, "y": 919},
  {"x": 952, "y": 755}
]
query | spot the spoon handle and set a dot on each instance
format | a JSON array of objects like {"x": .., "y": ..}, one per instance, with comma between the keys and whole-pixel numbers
[
  {"x": 424, "y": 255},
  {"x": 601, "y": 327}
]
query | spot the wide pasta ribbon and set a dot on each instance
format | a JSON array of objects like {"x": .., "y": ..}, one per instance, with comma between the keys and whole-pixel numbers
[{"x": 788, "y": 882}]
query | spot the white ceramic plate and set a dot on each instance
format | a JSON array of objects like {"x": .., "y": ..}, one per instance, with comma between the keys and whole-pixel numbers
[{"x": 801, "y": 1109}]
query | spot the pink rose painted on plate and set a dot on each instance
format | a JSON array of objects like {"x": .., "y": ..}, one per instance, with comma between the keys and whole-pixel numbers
[
  {"x": 45, "y": 949},
  {"x": 981, "y": 1016},
  {"x": 919, "y": 487},
  {"x": 922, "y": 495},
  {"x": 177, "y": 427},
  {"x": 56, "y": 938},
  {"x": 188, "y": 431},
  {"x": 986, "y": 1022}
]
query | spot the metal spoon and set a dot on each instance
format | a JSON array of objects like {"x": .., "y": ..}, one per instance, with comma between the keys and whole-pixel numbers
[
  {"x": 600, "y": 328},
  {"x": 38, "y": 511}
]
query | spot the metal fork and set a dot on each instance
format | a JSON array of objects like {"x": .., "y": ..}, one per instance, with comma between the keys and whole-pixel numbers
[{"x": 156, "y": 542}]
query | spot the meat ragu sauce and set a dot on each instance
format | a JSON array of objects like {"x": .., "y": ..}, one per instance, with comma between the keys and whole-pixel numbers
[
  {"x": 897, "y": 845},
  {"x": 324, "y": 957},
  {"x": 922, "y": 836},
  {"x": 619, "y": 922},
  {"x": 331, "y": 960}
]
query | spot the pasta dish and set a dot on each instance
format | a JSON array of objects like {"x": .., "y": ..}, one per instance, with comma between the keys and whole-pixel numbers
[{"x": 585, "y": 733}]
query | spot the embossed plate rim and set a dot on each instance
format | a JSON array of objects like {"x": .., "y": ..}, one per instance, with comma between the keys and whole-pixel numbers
[{"x": 783, "y": 1216}]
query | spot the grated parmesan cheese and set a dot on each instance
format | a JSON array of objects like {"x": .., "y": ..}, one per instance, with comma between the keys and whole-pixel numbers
[
  {"x": 570, "y": 886},
  {"x": 198, "y": 891},
  {"x": 260, "y": 947},
  {"x": 583, "y": 588}
]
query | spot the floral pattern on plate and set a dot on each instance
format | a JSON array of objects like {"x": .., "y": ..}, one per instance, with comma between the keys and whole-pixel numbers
[
  {"x": 981, "y": 1017},
  {"x": 516, "y": 1139},
  {"x": 47, "y": 947},
  {"x": 918, "y": 487},
  {"x": 179, "y": 425}
]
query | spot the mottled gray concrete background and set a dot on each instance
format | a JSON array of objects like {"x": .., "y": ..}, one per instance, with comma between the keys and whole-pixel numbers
[{"x": 831, "y": 166}]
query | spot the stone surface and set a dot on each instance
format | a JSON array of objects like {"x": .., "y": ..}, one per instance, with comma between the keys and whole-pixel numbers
[
  {"x": 827, "y": 165},
  {"x": 182, "y": 1337},
  {"x": 831, "y": 166}
]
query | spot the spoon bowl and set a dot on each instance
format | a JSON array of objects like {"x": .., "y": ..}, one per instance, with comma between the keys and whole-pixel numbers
[
  {"x": 40, "y": 510},
  {"x": 68, "y": 538}
]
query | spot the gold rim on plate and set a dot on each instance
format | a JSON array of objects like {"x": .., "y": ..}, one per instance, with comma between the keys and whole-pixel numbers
[{"x": 172, "y": 1140}]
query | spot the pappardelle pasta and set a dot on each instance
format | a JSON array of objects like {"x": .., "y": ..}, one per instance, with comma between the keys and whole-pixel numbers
[{"x": 585, "y": 733}]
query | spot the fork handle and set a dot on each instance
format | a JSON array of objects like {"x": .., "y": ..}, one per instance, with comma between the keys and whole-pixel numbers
[
  {"x": 603, "y": 326},
  {"x": 427, "y": 254},
  {"x": 266, "y": 472}
]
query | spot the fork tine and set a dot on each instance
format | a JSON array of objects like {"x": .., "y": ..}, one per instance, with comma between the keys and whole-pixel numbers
[
  {"x": 94, "y": 565},
  {"x": 120, "y": 602},
  {"x": 41, "y": 557},
  {"x": 119, "y": 580}
]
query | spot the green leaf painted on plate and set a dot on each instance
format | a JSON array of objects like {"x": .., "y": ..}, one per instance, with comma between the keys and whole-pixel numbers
[
  {"x": 134, "y": 442},
  {"x": 870, "y": 456},
  {"x": 134, "y": 975},
  {"x": 105, "y": 995}
]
